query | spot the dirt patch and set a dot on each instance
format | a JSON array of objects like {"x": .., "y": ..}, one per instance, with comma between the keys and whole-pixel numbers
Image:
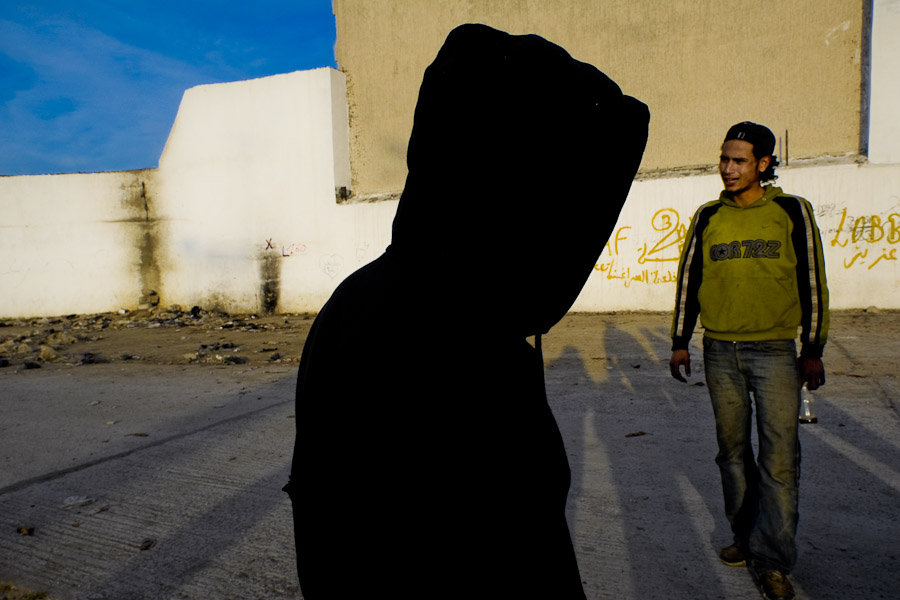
[
  {"x": 178, "y": 336},
  {"x": 155, "y": 336}
]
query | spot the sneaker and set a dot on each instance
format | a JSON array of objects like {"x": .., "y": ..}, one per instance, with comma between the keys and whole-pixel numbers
[
  {"x": 776, "y": 586},
  {"x": 733, "y": 556}
]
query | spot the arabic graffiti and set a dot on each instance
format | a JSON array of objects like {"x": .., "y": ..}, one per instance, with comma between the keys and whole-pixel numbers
[
  {"x": 617, "y": 261},
  {"x": 637, "y": 254},
  {"x": 868, "y": 239},
  {"x": 626, "y": 276}
]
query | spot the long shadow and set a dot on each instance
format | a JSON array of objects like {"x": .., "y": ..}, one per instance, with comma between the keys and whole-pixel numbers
[
  {"x": 645, "y": 502},
  {"x": 57, "y": 473},
  {"x": 171, "y": 567},
  {"x": 644, "y": 487}
]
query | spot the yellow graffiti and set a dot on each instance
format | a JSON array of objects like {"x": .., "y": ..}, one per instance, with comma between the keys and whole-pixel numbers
[
  {"x": 627, "y": 277},
  {"x": 632, "y": 257},
  {"x": 862, "y": 254},
  {"x": 664, "y": 222},
  {"x": 866, "y": 231},
  {"x": 840, "y": 228},
  {"x": 892, "y": 255},
  {"x": 664, "y": 247}
]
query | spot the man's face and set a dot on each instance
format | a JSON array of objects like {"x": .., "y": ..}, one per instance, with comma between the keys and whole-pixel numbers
[{"x": 738, "y": 167}]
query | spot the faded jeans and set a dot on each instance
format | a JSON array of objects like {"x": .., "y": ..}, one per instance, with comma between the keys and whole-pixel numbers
[{"x": 760, "y": 493}]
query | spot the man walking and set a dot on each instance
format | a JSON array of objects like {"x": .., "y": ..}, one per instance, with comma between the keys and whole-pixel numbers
[{"x": 752, "y": 269}]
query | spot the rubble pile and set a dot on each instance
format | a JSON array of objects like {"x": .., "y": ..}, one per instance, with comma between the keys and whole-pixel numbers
[{"x": 162, "y": 335}]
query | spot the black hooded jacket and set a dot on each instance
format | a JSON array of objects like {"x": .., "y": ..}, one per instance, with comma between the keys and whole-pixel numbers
[{"x": 427, "y": 462}]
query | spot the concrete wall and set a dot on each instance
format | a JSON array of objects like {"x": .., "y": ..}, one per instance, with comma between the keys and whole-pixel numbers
[
  {"x": 225, "y": 237},
  {"x": 247, "y": 179},
  {"x": 244, "y": 215},
  {"x": 700, "y": 66},
  {"x": 74, "y": 243},
  {"x": 857, "y": 210},
  {"x": 241, "y": 215}
]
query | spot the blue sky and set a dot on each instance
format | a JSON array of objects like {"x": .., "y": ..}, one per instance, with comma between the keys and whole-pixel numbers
[{"x": 94, "y": 85}]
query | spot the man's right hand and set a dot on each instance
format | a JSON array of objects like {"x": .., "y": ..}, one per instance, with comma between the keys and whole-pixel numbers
[{"x": 679, "y": 358}]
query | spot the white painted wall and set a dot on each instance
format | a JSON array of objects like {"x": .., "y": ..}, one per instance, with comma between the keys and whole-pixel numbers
[
  {"x": 70, "y": 243},
  {"x": 249, "y": 173},
  {"x": 857, "y": 210}
]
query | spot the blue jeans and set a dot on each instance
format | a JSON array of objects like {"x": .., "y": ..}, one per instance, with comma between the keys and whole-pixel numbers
[{"x": 761, "y": 493}]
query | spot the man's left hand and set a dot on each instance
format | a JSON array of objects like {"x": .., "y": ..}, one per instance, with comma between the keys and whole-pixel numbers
[{"x": 812, "y": 372}]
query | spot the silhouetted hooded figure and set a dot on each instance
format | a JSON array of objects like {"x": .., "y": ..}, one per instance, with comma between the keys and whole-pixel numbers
[{"x": 427, "y": 462}]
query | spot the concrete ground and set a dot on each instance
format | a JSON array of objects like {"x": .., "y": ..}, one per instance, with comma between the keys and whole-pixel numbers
[{"x": 156, "y": 472}]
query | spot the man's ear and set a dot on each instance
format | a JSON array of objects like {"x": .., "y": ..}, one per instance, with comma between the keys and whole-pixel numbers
[{"x": 764, "y": 163}]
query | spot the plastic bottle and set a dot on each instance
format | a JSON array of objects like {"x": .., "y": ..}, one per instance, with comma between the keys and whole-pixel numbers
[{"x": 806, "y": 410}]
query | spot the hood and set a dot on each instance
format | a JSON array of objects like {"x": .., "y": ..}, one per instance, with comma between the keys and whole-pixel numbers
[
  {"x": 520, "y": 159},
  {"x": 769, "y": 192}
]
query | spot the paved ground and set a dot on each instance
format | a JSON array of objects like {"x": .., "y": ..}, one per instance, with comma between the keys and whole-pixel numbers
[{"x": 141, "y": 462}]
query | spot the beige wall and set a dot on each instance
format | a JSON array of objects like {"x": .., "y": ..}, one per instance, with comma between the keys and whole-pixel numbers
[{"x": 700, "y": 66}]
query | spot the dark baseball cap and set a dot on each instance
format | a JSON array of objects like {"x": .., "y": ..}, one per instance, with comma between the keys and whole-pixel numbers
[{"x": 760, "y": 136}]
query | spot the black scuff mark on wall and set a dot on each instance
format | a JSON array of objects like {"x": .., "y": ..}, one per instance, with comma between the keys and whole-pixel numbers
[
  {"x": 139, "y": 202},
  {"x": 270, "y": 280},
  {"x": 865, "y": 76}
]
